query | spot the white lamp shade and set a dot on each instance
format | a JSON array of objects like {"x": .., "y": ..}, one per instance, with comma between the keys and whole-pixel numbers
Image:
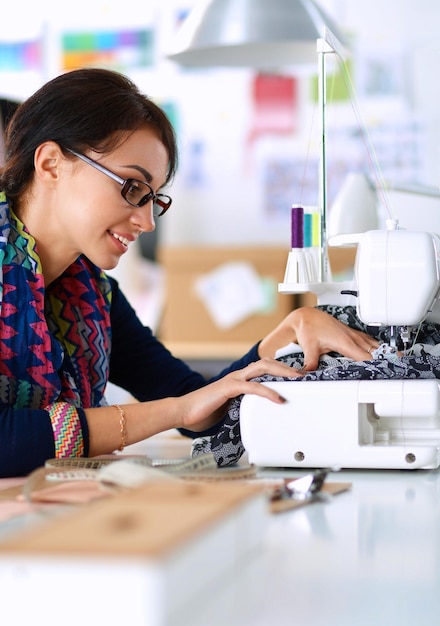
[
  {"x": 251, "y": 33},
  {"x": 354, "y": 210}
]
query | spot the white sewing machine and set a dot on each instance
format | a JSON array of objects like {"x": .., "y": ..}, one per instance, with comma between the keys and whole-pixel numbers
[{"x": 392, "y": 424}]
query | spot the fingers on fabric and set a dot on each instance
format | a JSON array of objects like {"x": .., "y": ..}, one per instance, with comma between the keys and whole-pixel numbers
[
  {"x": 266, "y": 366},
  {"x": 262, "y": 390}
]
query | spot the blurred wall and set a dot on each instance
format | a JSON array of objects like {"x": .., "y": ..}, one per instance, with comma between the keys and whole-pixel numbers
[{"x": 230, "y": 177}]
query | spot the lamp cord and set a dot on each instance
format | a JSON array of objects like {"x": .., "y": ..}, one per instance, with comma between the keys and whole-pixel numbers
[{"x": 378, "y": 176}]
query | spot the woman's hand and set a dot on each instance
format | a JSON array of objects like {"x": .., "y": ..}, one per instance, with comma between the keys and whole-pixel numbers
[
  {"x": 318, "y": 333},
  {"x": 194, "y": 411},
  {"x": 204, "y": 407}
]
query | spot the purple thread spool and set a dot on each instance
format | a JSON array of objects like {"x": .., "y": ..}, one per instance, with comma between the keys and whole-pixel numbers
[{"x": 297, "y": 227}]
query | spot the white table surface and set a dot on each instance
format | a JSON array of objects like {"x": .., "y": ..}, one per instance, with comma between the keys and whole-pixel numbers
[
  {"x": 367, "y": 557},
  {"x": 371, "y": 556}
]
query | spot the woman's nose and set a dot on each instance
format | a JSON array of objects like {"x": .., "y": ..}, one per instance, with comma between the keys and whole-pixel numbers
[{"x": 143, "y": 217}]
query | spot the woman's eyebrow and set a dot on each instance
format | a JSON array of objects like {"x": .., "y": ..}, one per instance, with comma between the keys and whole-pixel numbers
[{"x": 140, "y": 169}]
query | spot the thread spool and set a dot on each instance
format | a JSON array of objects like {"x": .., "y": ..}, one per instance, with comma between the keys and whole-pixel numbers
[
  {"x": 316, "y": 229},
  {"x": 308, "y": 230},
  {"x": 297, "y": 227},
  {"x": 296, "y": 271}
]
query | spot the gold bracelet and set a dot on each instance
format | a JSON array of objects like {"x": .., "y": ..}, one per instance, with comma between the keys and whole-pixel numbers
[{"x": 123, "y": 425}]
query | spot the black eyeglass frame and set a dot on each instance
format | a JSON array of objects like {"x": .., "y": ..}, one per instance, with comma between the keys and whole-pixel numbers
[{"x": 161, "y": 202}]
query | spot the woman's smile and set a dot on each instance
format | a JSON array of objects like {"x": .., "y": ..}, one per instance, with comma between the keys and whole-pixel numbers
[{"x": 121, "y": 240}]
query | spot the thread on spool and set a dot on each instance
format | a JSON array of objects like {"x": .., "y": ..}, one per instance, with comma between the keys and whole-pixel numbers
[
  {"x": 297, "y": 227},
  {"x": 316, "y": 229},
  {"x": 308, "y": 230}
]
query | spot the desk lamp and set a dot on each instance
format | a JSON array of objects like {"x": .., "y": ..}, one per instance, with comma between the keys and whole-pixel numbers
[
  {"x": 251, "y": 33},
  {"x": 357, "y": 207},
  {"x": 266, "y": 34}
]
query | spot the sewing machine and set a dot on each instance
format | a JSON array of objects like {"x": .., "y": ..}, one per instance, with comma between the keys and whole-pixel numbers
[{"x": 393, "y": 424}]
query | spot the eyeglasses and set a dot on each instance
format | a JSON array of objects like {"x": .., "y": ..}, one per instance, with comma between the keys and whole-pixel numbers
[{"x": 135, "y": 192}]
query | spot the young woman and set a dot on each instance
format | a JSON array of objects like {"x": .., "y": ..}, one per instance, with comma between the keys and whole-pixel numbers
[{"x": 87, "y": 161}]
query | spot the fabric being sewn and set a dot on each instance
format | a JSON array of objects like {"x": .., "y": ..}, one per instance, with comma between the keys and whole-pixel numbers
[{"x": 423, "y": 361}]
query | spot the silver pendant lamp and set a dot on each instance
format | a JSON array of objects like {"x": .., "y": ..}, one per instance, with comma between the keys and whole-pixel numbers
[
  {"x": 251, "y": 33},
  {"x": 266, "y": 35}
]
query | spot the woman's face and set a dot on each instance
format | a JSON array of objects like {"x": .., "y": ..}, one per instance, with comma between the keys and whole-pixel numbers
[{"x": 94, "y": 219}]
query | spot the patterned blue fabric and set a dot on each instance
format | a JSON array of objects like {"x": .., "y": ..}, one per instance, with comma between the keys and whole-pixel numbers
[{"x": 423, "y": 361}]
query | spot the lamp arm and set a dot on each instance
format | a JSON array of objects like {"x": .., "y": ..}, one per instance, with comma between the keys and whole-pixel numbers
[
  {"x": 419, "y": 190},
  {"x": 325, "y": 45}
]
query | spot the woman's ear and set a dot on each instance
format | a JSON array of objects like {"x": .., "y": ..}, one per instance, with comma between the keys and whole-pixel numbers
[{"x": 47, "y": 161}]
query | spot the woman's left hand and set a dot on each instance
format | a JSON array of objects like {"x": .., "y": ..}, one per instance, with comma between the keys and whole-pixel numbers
[{"x": 318, "y": 333}]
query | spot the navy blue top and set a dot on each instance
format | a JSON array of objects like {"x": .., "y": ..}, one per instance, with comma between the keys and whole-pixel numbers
[
  {"x": 143, "y": 366},
  {"x": 139, "y": 363}
]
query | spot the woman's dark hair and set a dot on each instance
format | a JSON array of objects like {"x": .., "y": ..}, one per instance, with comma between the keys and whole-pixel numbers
[{"x": 83, "y": 109}]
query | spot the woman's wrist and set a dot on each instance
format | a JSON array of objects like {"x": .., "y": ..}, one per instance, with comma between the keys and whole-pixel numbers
[{"x": 114, "y": 427}]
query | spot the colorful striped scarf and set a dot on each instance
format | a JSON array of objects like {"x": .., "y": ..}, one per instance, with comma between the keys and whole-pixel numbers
[{"x": 54, "y": 342}]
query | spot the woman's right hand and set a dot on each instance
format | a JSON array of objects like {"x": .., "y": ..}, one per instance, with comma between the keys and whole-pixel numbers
[
  {"x": 204, "y": 407},
  {"x": 196, "y": 411}
]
